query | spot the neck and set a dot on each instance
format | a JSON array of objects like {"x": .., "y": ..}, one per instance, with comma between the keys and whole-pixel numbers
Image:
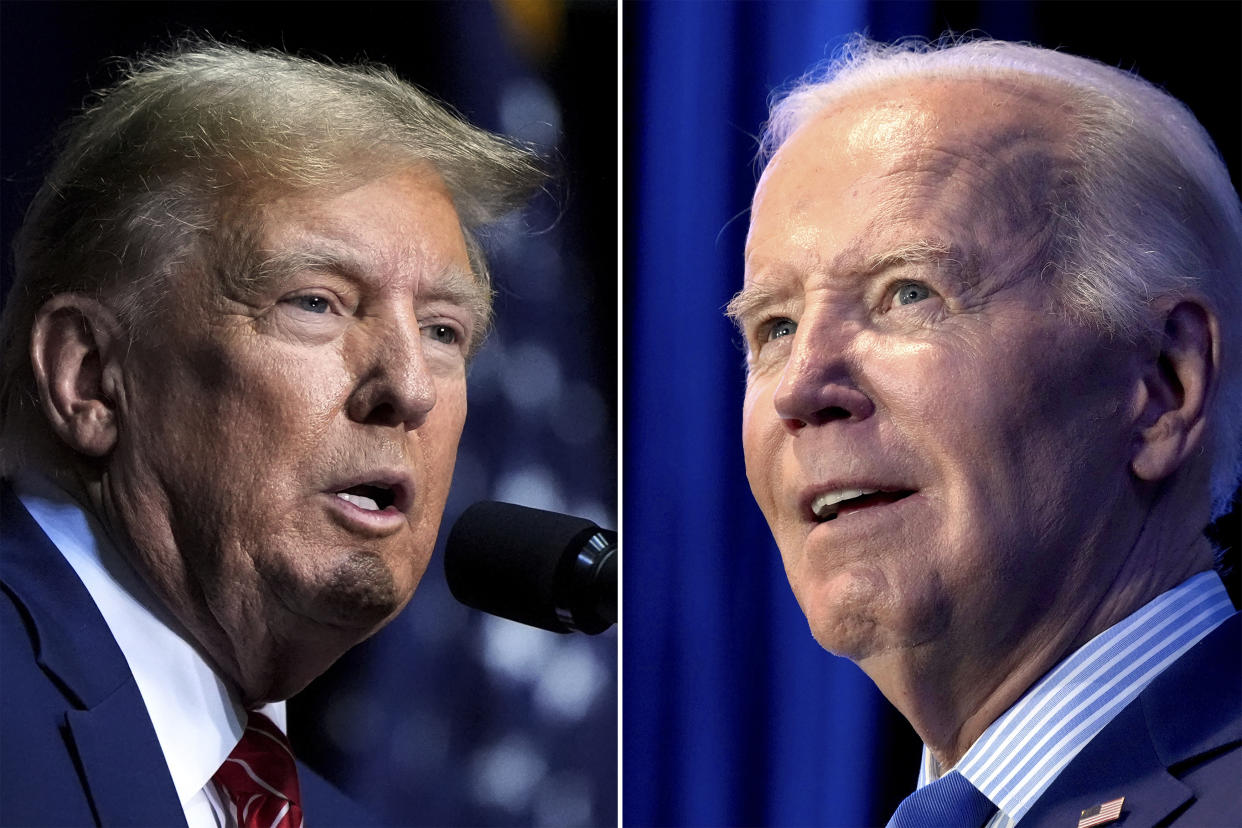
[{"x": 951, "y": 695}]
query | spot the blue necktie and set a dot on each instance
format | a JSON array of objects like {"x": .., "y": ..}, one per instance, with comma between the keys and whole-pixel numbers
[{"x": 949, "y": 802}]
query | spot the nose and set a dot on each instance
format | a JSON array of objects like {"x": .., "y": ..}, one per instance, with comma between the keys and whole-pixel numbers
[
  {"x": 395, "y": 387},
  {"x": 819, "y": 382}
]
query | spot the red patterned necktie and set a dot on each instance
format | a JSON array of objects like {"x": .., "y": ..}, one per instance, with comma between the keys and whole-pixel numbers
[{"x": 260, "y": 779}]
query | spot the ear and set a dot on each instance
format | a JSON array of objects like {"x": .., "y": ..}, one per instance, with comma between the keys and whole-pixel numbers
[
  {"x": 73, "y": 354},
  {"x": 1177, "y": 383}
]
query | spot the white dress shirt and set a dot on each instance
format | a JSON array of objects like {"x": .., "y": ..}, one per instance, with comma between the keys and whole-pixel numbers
[
  {"x": 1022, "y": 752},
  {"x": 196, "y": 719}
]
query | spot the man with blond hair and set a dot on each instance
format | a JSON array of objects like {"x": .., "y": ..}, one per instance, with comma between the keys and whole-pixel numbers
[
  {"x": 233, "y": 385},
  {"x": 994, "y": 396}
]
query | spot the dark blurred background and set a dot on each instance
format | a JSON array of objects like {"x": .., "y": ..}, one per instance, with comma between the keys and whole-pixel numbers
[
  {"x": 733, "y": 715},
  {"x": 447, "y": 717}
]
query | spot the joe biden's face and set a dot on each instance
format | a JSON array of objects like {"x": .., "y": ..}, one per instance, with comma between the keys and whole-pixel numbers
[
  {"x": 291, "y": 433},
  {"x": 936, "y": 446}
]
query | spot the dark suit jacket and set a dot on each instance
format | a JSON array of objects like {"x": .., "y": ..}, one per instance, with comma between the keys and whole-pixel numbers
[
  {"x": 1174, "y": 753},
  {"x": 76, "y": 744}
]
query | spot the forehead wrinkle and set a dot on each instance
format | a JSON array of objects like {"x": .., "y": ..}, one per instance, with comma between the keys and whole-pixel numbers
[
  {"x": 1005, "y": 169},
  {"x": 998, "y": 207}
]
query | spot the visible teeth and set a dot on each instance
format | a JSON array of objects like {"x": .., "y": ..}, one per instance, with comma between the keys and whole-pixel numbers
[
  {"x": 825, "y": 506},
  {"x": 360, "y": 501}
]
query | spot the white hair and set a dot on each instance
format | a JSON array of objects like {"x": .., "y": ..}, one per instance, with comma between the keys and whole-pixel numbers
[{"x": 1150, "y": 216}]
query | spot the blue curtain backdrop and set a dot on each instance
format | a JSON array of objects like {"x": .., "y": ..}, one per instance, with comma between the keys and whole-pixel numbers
[{"x": 732, "y": 714}]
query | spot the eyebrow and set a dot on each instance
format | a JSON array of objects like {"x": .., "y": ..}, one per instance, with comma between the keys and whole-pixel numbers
[
  {"x": 454, "y": 285},
  {"x": 753, "y": 297},
  {"x": 919, "y": 252},
  {"x": 319, "y": 257}
]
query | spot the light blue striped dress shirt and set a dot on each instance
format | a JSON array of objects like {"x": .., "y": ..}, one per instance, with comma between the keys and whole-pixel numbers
[{"x": 1018, "y": 757}]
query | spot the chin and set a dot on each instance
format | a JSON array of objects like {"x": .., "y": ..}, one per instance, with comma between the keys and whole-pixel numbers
[
  {"x": 848, "y": 610},
  {"x": 361, "y": 594},
  {"x": 842, "y": 630},
  {"x": 849, "y": 635}
]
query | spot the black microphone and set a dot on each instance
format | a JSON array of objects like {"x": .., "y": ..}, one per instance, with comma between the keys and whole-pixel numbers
[{"x": 545, "y": 569}]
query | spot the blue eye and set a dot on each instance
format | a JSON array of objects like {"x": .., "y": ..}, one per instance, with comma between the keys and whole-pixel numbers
[
  {"x": 442, "y": 333},
  {"x": 311, "y": 303},
  {"x": 911, "y": 292},
  {"x": 781, "y": 328}
]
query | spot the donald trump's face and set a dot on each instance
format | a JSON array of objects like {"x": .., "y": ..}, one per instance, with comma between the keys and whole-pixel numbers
[{"x": 289, "y": 436}]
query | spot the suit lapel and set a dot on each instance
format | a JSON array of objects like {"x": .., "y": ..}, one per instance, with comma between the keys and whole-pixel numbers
[
  {"x": 1196, "y": 705},
  {"x": 1191, "y": 709},
  {"x": 122, "y": 765},
  {"x": 1120, "y": 761},
  {"x": 121, "y": 762},
  {"x": 70, "y": 638}
]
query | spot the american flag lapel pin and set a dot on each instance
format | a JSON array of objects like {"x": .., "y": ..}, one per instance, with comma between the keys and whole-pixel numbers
[{"x": 1101, "y": 814}]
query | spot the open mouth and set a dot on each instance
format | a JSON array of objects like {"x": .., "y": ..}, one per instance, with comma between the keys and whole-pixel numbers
[
  {"x": 830, "y": 505},
  {"x": 368, "y": 496}
]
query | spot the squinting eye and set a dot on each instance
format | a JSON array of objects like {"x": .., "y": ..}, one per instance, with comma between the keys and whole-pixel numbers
[
  {"x": 911, "y": 292},
  {"x": 311, "y": 304},
  {"x": 442, "y": 333},
  {"x": 780, "y": 328}
]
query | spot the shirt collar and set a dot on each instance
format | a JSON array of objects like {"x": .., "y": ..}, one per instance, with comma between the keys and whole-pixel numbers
[{"x": 196, "y": 719}]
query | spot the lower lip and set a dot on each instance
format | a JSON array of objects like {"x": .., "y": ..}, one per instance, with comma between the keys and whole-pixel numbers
[{"x": 365, "y": 521}]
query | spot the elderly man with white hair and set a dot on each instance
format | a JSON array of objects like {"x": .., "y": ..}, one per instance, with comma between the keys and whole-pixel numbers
[{"x": 994, "y": 395}]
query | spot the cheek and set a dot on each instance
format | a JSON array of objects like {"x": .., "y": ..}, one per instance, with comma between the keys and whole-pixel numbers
[
  {"x": 258, "y": 437},
  {"x": 439, "y": 435},
  {"x": 307, "y": 386},
  {"x": 285, "y": 414},
  {"x": 243, "y": 384},
  {"x": 760, "y": 444},
  {"x": 955, "y": 400},
  {"x": 1002, "y": 421}
]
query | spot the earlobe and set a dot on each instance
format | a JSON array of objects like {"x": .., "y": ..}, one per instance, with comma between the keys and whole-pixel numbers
[
  {"x": 1177, "y": 384},
  {"x": 72, "y": 352}
]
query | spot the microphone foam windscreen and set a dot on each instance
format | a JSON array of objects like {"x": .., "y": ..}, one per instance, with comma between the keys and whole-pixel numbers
[{"x": 504, "y": 560}]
